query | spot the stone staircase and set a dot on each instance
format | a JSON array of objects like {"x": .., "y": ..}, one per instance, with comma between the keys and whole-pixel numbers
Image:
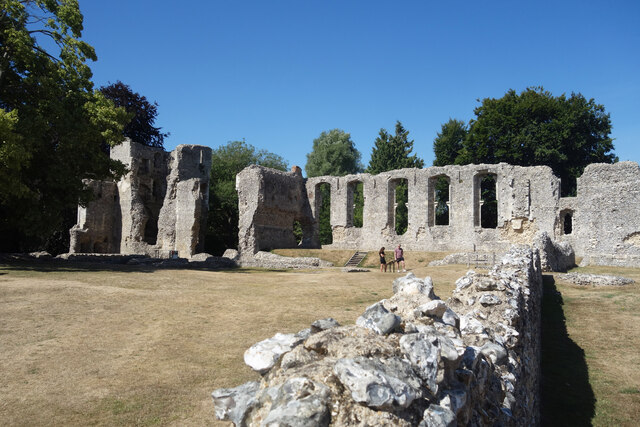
[{"x": 356, "y": 259}]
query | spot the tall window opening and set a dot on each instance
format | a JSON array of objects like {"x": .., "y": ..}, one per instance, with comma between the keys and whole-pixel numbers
[
  {"x": 486, "y": 203},
  {"x": 398, "y": 202},
  {"x": 297, "y": 232},
  {"x": 439, "y": 200},
  {"x": 323, "y": 209},
  {"x": 355, "y": 204},
  {"x": 567, "y": 222}
]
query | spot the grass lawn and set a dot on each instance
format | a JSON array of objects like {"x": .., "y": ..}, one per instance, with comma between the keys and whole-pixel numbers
[{"x": 136, "y": 346}]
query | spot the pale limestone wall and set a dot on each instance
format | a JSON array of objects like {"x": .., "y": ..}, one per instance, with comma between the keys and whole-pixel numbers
[
  {"x": 160, "y": 206},
  {"x": 604, "y": 216},
  {"x": 523, "y": 195},
  {"x": 269, "y": 203}
]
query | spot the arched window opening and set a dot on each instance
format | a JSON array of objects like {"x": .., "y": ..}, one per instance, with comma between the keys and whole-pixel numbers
[
  {"x": 486, "y": 203},
  {"x": 398, "y": 205},
  {"x": 323, "y": 210},
  {"x": 355, "y": 204},
  {"x": 439, "y": 200}
]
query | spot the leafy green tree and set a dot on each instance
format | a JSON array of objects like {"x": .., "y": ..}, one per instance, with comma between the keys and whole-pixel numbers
[
  {"x": 394, "y": 152},
  {"x": 449, "y": 142},
  {"x": 335, "y": 154},
  {"x": 536, "y": 128},
  {"x": 141, "y": 128},
  {"x": 52, "y": 123},
  {"x": 227, "y": 161}
]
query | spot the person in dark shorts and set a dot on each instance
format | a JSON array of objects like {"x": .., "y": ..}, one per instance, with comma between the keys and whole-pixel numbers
[
  {"x": 383, "y": 262},
  {"x": 399, "y": 253}
]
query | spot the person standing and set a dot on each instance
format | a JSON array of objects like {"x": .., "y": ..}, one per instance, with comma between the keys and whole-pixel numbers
[
  {"x": 399, "y": 253},
  {"x": 383, "y": 262}
]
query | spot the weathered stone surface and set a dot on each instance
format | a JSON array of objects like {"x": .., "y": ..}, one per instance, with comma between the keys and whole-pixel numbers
[
  {"x": 411, "y": 285},
  {"x": 379, "y": 383},
  {"x": 300, "y": 402},
  {"x": 554, "y": 256},
  {"x": 270, "y": 260},
  {"x": 323, "y": 324},
  {"x": 263, "y": 355},
  {"x": 596, "y": 279},
  {"x": 438, "y": 416},
  {"x": 232, "y": 404},
  {"x": 158, "y": 208},
  {"x": 378, "y": 319}
]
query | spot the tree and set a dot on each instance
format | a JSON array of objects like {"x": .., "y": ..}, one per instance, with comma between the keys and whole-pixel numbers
[
  {"x": 335, "y": 154},
  {"x": 141, "y": 128},
  {"x": 536, "y": 128},
  {"x": 227, "y": 161},
  {"x": 394, "y": 152},
  {"x": 52, "y": 123},
  {"x": 449, "y": 142}
]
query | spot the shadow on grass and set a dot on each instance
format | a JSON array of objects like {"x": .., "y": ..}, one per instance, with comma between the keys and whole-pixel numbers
[
  {"x": 49, "y": 266},
  {"x": 567, "y": 396}
]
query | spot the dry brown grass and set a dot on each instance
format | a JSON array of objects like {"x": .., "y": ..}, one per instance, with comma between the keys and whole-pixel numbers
[
  {"x": 130, "y": 346},
  {"x": 605, "y": 323}
]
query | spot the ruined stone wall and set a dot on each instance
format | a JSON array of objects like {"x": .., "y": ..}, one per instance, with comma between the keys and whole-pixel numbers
[
  {"x": 412, "y": 359},
  {"x": 606, "y": 220},
  {"x": 601, "y": 223},
  {"x": 270, "y": 201},
  {"x": 159, "y": 206}
]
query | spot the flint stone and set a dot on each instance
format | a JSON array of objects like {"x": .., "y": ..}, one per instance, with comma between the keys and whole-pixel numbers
[
  {"x": 438, "y": 416},
  {"x": 262, "y": 356},
  {"x": 471, "y": 325},
  {"x": 232, "y": 404},
  {"x": 435, "y": 308},
  {"x": 489, "y": 299},
  {"x": 300, "y": 402},
  {"x": 378, "y": 319},
  {"x": 411, "y": 285},
  {"x": 497, "y": 353},
  {"x": 465, "y": 281},
  {"x": 451, "y": 318},
  {"x": 379, "y": 383},
  {"x": 486, "y": 284},
  {"x": 324, "y": 324}
]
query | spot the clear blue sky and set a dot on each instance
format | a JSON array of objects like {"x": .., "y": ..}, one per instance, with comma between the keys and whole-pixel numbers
[{"x": 277, "y": 73}]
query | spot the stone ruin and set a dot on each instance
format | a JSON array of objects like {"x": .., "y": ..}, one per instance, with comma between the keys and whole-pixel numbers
[
  {"x": 412, "y": 359},
  {"x": 159, "y": 208},
  {"x": 601, "y": 224}
]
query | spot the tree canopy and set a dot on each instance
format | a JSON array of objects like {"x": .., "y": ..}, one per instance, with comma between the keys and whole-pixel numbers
[
  {"x": 532, "y": 128},
  {"x": 393, "y": 152},
  {"x": 52, "y": 124},
  {"x": 333, "y": 154},
  {"x": 227, "y": 161},
  {"x": 141, "y": 128}
]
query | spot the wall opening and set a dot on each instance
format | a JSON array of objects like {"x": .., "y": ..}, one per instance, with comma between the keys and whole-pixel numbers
[
  {"x": 439, "y": 200},
  {"x": 485, "y": 201},
  {"x": 566, "y": 221},
  {"x": 297, "y": 232},
  {"x": 398, "y": 202},
  {"x": 355, "y": 204},
  {"x": 323, "y": 212}
]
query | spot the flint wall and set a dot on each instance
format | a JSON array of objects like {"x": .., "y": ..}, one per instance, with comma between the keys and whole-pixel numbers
[{"x": 412, "y": 359}]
